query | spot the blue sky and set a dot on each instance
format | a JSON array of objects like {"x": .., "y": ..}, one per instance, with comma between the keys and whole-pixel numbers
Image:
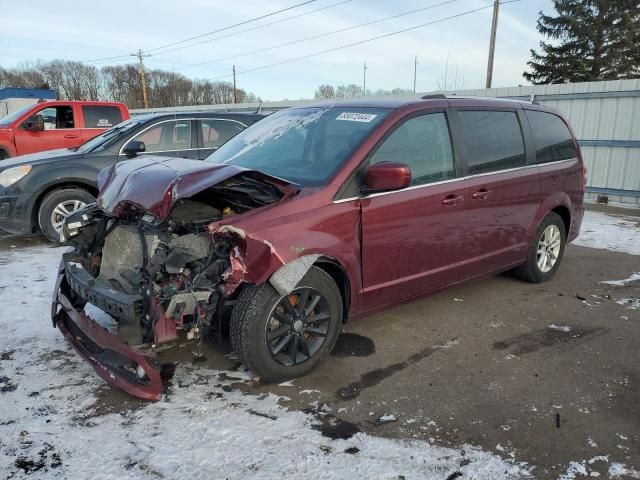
[{"x": 84, "y": 30}]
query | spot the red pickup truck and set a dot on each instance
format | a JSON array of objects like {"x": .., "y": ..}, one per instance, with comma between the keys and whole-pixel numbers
[{"x": 56, "y": 124}]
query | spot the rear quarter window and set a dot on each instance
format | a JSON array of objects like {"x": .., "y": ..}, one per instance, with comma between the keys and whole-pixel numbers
[
  {"x": 493, "y": 140},
  {"x": 551, "y": 137},
  {"x": 101, "y": 116}
]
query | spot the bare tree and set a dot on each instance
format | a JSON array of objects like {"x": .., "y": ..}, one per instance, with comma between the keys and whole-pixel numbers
[
  {"x": 77, "y": 81},
  {"x": 325, "y": 91},
  {"x": 450, "y": 81}
]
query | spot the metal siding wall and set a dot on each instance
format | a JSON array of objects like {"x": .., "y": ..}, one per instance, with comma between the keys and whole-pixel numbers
[{"x": 592, "y": 118}]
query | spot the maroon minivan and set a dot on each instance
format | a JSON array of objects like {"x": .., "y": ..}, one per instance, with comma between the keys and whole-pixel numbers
[{"x": 310, "y": 217}]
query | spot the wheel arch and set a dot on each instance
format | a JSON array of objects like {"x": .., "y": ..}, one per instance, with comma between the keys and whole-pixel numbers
[
  {"x": 68, "y": 184},
  {"x": 564, "y": 213},
  {"x": 339, "y": 275},
  {"x": 287, "y": 277}
]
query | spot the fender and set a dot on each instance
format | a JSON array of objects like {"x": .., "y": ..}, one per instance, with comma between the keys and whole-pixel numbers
[
  {"x": 287, "y": 277},
  {"x": 282, "y": 256},
  {"x": 555, "y": 200},
  {"x": 52, "y": 178},
  {"x": 10, "y": 149}
]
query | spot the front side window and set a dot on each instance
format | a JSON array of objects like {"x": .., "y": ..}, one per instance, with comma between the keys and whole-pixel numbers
[
  {"x": 493, "y": 140},
  {"x": 303, "y": 145},
  {"x": 423, "y": 143},
  {"x": 56, "y": 118},
  {"x": 167, "y": 137},
  {"x": 217, "y": 132},
  {"x": 97, "y": 116},
  {"x": 551, "y": 137}
]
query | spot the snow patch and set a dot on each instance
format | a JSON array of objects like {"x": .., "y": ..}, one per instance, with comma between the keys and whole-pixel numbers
[
  {"x": 559, "y": 328},
  {"x": 610, "y": 232},
  {"x": 54, "y": 417},
  {"x": 630, "y": 303},
  {"x": 621, "y": 283}
]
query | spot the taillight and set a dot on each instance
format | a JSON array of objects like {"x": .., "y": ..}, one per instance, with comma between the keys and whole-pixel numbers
[{"x": 584, "y": 179}]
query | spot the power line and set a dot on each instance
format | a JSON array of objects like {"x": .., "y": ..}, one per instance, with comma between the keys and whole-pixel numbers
[
  {"x": 117, "y": 57},
  {"x": 322, "y": 52},
  {"x": 232, "y": 26},
  {"x": 352, "y": 27},
  {"x": 232, "y": 34}
]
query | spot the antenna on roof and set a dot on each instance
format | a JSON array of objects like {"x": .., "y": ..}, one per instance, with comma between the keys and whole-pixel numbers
[
  {"x": 533, "y": 97},
  {"x": 259, "y": 109},
  {"x": 433, "y": 96}
]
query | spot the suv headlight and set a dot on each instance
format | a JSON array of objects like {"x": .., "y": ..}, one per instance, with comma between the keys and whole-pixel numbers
[{"x": 11, "y": 175}]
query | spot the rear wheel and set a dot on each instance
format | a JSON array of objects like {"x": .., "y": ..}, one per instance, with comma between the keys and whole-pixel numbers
[
  {"x": 57, "y": 205},
  {"x": 545, "y": 251},
  {"x": 3, "y": 155},
  {"x": 283, "y": 337}
]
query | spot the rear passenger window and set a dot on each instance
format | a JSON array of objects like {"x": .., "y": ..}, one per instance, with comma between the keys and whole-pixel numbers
[
  {"x": 422, "y": 143},
  {"x": 551, "y": 137},
  {"x": 493, "y": 140},
  {"x": 101, "y": 116},
  {"x": 167, "y": 137},
  {"x": 217, "y": 132}
]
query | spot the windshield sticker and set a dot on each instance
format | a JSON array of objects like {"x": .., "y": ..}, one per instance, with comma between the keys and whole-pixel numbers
[
  {"x": 356, "y": 117},
  {"x": 103, "y": 122}
]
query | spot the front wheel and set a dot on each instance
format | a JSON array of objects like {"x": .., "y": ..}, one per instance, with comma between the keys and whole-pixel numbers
[
  {"x": 283, "y": 337},
  {"x": 545, "y": 251},
  {"x": 57, "y": 205}
]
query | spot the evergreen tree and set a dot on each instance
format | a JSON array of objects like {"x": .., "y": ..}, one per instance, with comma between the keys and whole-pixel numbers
[{"x": 590, "y": 40}]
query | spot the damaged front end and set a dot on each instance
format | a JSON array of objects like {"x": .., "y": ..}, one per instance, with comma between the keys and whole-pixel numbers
[{"x": 158, "y": 261}]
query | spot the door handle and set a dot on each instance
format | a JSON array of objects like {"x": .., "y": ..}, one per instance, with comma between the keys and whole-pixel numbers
[
  {"x": 452, "y": 200},
  {"x": 71, "y": 136},
  {"x": 480, "y": 194}
]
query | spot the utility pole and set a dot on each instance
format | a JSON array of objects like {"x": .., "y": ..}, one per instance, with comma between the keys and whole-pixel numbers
[
  {"x": 415, "y": 72},
  {"x": 364, "y": 79},
  {"x": 235, "y": 92},
  {"x": 143, "y": 82},
  {"x": 492, "y": 44}
]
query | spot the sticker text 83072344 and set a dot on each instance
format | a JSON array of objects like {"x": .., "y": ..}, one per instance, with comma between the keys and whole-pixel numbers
[{"x": 356, "y": 117}]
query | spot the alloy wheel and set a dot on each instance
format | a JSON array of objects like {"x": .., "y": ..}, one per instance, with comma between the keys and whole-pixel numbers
[
  {"x": 548, "y": 248},
  {"x": 62, "y": 210},
  {"x": 297, "y": 326}
]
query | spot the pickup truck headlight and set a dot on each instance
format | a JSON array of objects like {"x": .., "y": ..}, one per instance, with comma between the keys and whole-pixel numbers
[{"x": 11, "y": 175}]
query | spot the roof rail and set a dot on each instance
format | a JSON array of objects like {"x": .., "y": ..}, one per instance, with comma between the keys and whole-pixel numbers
[
  {"x": 433, "y": 96},
  {"x": 443, "y": 96}
]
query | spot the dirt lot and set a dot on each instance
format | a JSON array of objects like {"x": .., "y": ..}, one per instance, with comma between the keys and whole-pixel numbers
[{"x": 546, "y": 374}]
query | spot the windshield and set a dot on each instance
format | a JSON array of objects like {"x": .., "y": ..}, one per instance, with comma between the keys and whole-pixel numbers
[
  {"x": 302, "y": 145},
  {"x": 12, "y": 117},
  {"x": 105, "y": 137}
]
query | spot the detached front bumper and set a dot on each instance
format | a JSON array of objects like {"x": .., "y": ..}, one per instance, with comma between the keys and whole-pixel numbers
[{"x": 113, "y": 360}]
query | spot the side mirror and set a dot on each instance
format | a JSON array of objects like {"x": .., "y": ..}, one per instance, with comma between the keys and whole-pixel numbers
[
  {"x": 386, "y": 176},
  {"x": 35, "y": 123},
  {"x": 134, "y": 147}
]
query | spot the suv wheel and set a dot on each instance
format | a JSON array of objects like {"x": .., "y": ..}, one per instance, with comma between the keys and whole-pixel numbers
[
  {"x": 3, "y": 155},
  {"x": 57, "y": 205},
  {"x": 545, "y": 251},
  {"x": 283, "y": 337}
]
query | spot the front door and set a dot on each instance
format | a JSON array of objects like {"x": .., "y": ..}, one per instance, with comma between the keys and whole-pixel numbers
[
  {"x": 412, "y": 239},
  {"x": 59, "y": 131}
]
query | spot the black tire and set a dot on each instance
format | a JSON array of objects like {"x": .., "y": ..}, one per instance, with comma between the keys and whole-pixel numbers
[
  {"x": 3, "y": 155},
  {"x": 530, "y": 270},
  {"x": 51, "y": 201},
  {"x": 251, "y": 316}
]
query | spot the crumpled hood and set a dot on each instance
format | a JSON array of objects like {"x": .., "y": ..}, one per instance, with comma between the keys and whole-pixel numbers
[
  {"x": 154, "y": 184},
  {"x": 40, "y": 157}
]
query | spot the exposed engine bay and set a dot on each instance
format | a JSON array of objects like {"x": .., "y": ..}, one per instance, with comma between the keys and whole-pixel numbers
[{"x": 156, "y": 276}]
